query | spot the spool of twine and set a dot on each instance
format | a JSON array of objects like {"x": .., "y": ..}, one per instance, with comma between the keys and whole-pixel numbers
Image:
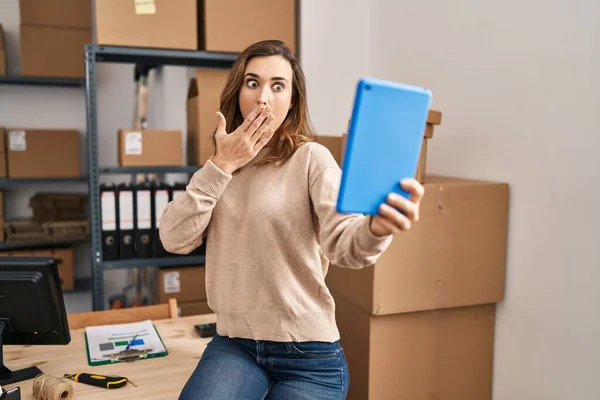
[{"x": 48, "y": 387}]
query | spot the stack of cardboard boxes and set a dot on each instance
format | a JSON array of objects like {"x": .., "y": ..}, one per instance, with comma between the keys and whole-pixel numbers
[
  {"x": 201, "y": 25},
  {"x": 419, "y": 324},
  {"x": 53, "y": 35},
  {"x": 40, "y": 153}
]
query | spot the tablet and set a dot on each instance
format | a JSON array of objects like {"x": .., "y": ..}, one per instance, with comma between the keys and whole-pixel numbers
[{"x": 383, "y": 145}]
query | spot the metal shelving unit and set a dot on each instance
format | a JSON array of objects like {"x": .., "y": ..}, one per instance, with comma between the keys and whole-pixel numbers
[
  {"x": 174, "y": 261},
  {"x": 151, "y": 58},
  {"x": 147, "y": 170},
  {"x": 40, "y": 81},
  {"x": 38, "y": 245},
  {"x": 12, "y": 182},
  {"x": 16, "y": 183}
]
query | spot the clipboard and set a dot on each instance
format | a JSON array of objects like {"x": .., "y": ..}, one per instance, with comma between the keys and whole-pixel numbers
[
  {"x": 110, "y": 344},
  {"x": 383, "y": 144}
]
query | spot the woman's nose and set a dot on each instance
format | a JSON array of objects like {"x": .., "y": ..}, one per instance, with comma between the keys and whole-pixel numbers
[{"x": 262, "y": 97}]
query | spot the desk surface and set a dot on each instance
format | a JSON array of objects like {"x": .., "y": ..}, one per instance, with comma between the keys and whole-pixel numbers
[{"x": 158, "y": 378}]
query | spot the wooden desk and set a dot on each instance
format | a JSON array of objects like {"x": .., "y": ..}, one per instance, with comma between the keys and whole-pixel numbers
[{"x": 158, "y": 378}]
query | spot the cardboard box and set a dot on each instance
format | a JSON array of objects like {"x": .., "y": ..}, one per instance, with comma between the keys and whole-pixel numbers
[
  {"x": 454, "y": 256},
  {"x": 169, "y": 24},
  {"x": 193, "y": 308},
  {"x": 434, "y": 117},
  {"x": 53, "y": 52},
  {"x": 253, "y": 22},
  {"x": 442, "y": 354},
  {"x": 3, "y": 67},
  {"x": 428, "y": 134},
  {"x": 43, "y": 153},
  {"x": 203, "y": 103},
  {"x": 16, "y": 253},
  {"x": 186, "y": 284},
  {"x": 334, "y": 144},
  {"x": 142, "y": 148},
  {"x": 57, "y": 13},
  {"x": 64, "y": 259},
  {"x": 2, "y": 153},
  {"x": 422, "y": 165}
]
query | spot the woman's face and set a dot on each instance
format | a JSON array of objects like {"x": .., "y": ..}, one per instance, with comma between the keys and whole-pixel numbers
[{"x": 267, "y": 80}]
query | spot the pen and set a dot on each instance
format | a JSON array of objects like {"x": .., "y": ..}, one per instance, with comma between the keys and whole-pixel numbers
[{"x": 130, "y": 343}]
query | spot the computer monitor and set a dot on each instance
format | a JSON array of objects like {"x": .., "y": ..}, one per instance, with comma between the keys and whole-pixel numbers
[{"x": 32, "y": 309}]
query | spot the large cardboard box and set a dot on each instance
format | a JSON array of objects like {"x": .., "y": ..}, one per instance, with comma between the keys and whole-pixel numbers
[
  {"x": 2, "y": 153},
  {"x": 203, "y": 103},
  {"x": 64, "y": 259},
  {"x": 53, "y": 51},
  {"x": 454, "y": 256},
  {"x": 253, "y": 21},
  {"x": 57, "y": 13},
  {"x": 193, "y": 308},
  {"x": 142, "y": 148},
  {"x": 186, "y": 284},
  {"x": 441, "y": 354},
  {"x": 2, "y": 52},
  {"x": 169, "y": 24},
  {"x": 43, "y": 153}
]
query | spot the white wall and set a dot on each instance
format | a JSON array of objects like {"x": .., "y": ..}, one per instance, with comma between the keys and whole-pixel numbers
[
  {"x": 334, "y": 55},
  {"x": 518, "y": 83}
]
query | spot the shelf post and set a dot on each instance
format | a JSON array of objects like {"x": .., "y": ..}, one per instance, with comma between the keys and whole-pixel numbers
[{"x": 95, "y": 217}]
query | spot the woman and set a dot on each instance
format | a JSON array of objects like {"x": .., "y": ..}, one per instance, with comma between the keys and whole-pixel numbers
[{"x": 265, "y": 202}]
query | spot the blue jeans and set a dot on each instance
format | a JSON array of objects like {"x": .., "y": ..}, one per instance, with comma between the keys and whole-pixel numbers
[{"x": 248, "y": 369}]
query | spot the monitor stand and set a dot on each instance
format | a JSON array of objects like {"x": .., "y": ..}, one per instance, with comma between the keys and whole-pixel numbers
[{"x": 6, "y": 375}]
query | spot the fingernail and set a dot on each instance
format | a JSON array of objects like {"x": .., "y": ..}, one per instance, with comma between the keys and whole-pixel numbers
[{"x": 393, "y": 197}]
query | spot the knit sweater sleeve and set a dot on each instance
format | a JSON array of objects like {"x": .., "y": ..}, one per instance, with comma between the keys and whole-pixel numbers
[
  {"x": 184, "y": 220},
  {"x": 346, "y": 239}
]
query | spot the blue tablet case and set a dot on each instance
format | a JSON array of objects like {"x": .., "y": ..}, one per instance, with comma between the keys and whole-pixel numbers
[{"x": 383, "y": 145}]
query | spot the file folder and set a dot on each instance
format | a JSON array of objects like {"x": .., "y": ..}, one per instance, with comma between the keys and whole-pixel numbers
[
  {"x": 162, "y": 197},
  {"x": 178, "y": 189},
  {"x": 125, "y": 195},
  {"x": 143, "y": 223},
  {"x": 108, "y": 212}
]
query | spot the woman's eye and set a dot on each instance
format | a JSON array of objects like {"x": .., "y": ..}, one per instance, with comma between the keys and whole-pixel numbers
[
  {"x": 278, "y": 87},
  {"x": 252, "y": 83}
]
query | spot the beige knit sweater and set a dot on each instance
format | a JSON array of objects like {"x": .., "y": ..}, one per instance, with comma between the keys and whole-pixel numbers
[{"x": 271, "y": 233}]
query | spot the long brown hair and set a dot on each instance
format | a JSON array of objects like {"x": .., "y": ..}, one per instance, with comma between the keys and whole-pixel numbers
[{"x": 296, "y": 129}]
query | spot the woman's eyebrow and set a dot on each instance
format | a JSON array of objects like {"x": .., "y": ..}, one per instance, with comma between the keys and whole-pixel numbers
[{"x": 275, "y": 78}]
